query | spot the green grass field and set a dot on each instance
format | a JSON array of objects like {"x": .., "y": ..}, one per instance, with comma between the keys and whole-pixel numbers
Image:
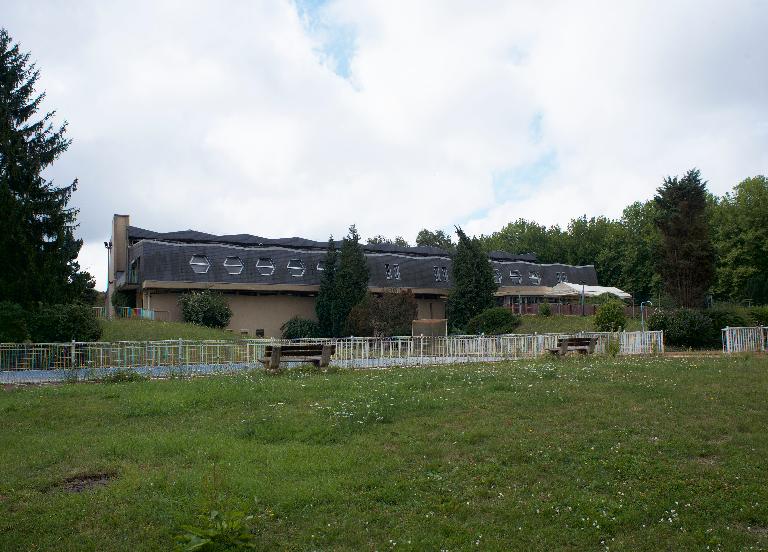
[
  {"x": 631, "y": 454},
  {"x": 122, "y": 329},
  {"x": 126, "y": 329}
]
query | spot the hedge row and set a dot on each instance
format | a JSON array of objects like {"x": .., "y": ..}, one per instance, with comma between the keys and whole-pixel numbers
[
  {"x": 48, "y": 323},
  {"x": 701, "y": 328}
]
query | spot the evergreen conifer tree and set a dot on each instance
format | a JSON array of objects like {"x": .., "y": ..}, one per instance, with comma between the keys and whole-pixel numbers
[
  {"x": 326, "y": 297},
  {"x": 351, "y": 280},
  {"x": 473, "y": 282},
  {"x": 37, "y": 242},
  {"x": 687, "y": 260}
]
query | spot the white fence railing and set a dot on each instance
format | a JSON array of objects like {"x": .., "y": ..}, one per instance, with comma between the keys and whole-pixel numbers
[
  {"x": 350, "y": 352},
  {"x": 745, "y": 340}
]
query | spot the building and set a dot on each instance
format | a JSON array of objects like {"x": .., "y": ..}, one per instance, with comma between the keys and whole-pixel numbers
[{"x": 268, "y": 281}]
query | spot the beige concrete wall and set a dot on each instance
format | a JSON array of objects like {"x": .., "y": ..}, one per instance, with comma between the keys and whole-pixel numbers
[
  {"x": 251, "y": 312},
  {"x": 430, "y": 308},
  {"x": 119, "y": 243}
]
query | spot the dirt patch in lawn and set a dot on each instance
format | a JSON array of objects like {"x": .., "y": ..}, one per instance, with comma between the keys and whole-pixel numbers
[{"x": 85, "y": 482}]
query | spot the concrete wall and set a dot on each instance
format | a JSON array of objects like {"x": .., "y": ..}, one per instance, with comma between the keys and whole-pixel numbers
[
  {"x": 430, "y": 308},
  {"x": 249, "y": 312}
]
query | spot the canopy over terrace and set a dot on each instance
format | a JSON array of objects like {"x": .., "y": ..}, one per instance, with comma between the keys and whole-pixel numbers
[{"x": 568, "y": 289}]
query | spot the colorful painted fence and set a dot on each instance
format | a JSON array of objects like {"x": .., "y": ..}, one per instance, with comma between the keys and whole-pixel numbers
[
  {"x": 53, "y": 359},
  {"x": 745, "y": 340}
]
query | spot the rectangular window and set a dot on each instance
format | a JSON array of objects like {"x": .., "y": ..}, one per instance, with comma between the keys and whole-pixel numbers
[
  {"x": 563, "y": 277},
  {"x": 516, "y": 277},
  {"x": 557, "y": 276},
  {"x": 535, "y": 278},
  {"x": 436, "y": 272},
  {"x": 444, "y": 272},
  {"x": 497, "y": 275},
  {"x": 396, "y": 271},
  {"x": 387, "y": 271}
]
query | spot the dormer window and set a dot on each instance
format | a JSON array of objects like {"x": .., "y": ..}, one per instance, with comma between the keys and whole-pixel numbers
[
  {"x": 516, "y": 277},
  {"x": 436, "y": 272},
  {"x": 265, "y": 266},
  {"x": 296, "y": 268},
  {"x": 563, "y": 277},
  {"x": 444, "y": 273},
  {"x": 396, "y": 271},
  {"x": 233, "y": 265},
  {"x": 199, "y": 264},
  {"x": 497, "y": 275},
  {"x": 534, "y": 277},
  {"x": 387, "y": 271}
]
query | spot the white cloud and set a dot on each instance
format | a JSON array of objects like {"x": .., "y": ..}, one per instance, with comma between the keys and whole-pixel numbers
[{"x": 234, "y": 119}]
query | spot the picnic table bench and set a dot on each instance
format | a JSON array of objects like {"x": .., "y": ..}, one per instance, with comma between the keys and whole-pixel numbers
[
  {"x": 582, "y": 345},
  {"x": 317, "y": 354}
]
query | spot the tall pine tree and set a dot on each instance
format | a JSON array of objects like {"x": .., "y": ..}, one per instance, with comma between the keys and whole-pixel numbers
[
  {"x": 473, "y": 283},
  {"x": 687, "y": 260},
  {"x": 351, "y": 280},
  {"x": 326, "y": 297},
  {"x": 37, "y": 242}
]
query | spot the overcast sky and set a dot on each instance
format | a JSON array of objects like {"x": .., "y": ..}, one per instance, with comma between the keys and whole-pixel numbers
[{"x": 283, "y": 118}]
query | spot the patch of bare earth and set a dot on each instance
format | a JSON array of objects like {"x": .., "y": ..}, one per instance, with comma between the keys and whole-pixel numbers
[{"x": 85, "y": 482}]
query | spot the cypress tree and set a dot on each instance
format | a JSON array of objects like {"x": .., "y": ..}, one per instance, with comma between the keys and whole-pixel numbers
[
  {"x": 37, "y": 242},
  {"x": 473, "y": 283},
  {"x": 687, "y": 260},
  {"x": 351, "y": 280},
  {"x": 326, "y": 297}
]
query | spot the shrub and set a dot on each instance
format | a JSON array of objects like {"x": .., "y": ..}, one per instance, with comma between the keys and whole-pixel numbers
[
  {"x": 389, "y": 314},
  {"x": 610, "y": 316},
  {"x": 57, "y": 323},
  {"x": 545, "y": 309},
  {"x": 297, "y": 328},
  {"x": 13, "y": 323},
  {"x": 722, "y": 317},
  {"x": 494, "y": 321},
  {"x": 121, "y": 299},
  {"x": 759, "y": 316},
  {"x": 684, "y": 327},
  {"x": 205, "y": 308}
]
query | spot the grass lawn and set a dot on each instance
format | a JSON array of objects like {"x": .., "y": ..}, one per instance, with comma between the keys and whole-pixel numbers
[
  {"x": 632, "y": 454},
  {"x": 127, "y": 329}
]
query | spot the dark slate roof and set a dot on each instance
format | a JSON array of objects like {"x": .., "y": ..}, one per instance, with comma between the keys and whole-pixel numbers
[
  {"x": 192, "y": 236},
  {"x": 169, "y": 261}
]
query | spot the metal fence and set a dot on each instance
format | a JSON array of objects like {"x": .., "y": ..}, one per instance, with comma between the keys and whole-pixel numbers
[
  {"x": 745, "y": 340},
  {"x": 49, "y": 361}
]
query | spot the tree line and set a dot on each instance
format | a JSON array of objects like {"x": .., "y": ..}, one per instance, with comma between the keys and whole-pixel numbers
[{"x": 682, "y": 245}]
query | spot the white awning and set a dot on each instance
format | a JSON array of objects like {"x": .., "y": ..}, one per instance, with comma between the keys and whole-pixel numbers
[{"x": 571, "y": 289}]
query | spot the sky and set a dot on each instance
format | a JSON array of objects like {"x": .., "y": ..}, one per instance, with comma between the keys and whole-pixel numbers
[{"x": 282, "y": 118}]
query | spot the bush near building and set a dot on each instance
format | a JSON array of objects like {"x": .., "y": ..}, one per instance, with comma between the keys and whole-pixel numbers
[
  {"x": 205, "y": 308},
  {"x": 383, "y": 316},
  {"x": 494, "y": 321},
  {"x": 610, "y": 316},
  {"x": 299, "y": 328},
  {"x": 545, "y": 309}
]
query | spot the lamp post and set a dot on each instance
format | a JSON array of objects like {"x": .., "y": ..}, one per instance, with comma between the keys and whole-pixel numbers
[{"x": 642, "y": 313}]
